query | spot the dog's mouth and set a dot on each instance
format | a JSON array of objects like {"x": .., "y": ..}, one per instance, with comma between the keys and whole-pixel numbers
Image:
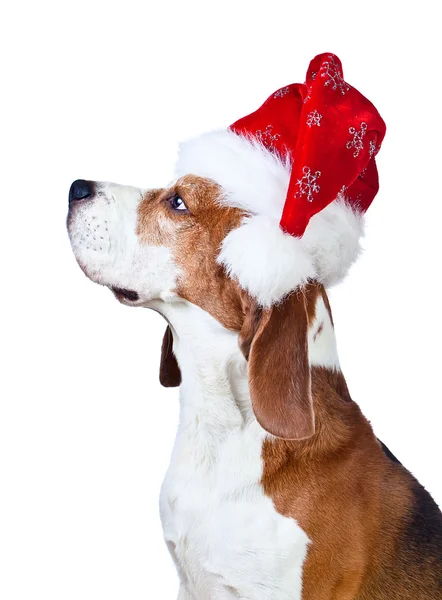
[{"x": 123, "y": 294}]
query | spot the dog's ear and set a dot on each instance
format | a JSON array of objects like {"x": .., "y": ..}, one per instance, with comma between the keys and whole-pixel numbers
[
  {"x": 275, "y": 343},
  {"x": 170, "y": 374}
]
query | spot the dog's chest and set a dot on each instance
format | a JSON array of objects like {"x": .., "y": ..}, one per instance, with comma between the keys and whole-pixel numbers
[{"x": 227, "y": 539}]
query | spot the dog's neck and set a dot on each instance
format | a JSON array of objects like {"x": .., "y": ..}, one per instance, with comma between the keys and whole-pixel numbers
[{"x": 214, "y": 388}]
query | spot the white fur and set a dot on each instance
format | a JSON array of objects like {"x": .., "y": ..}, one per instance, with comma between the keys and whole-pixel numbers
[
  {"x": 266, "y": 261},
  {"x": 249, "y": 254},
  {"x": 252, "y": 178},
  {"x": 224, "y": 534},
  {"x": 333, "y": 240},
  {"x": 103, "y": 236},
  {"x": 322, "y": 349}
]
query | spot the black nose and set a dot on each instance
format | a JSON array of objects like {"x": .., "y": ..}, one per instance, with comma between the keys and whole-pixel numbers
[{"x": 80, "y": 190}]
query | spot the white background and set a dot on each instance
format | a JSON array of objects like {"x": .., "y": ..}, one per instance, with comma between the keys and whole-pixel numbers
[{"x": 104, "y": 90}]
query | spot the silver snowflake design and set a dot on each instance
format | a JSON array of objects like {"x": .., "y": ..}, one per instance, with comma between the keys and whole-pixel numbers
[
  {"x": 308, "y": 184},
  {"x": 357, "y": 141},
  {"x": 313, "y": 75},
  {"x": 362, "y": 173},
  {"x": 331, "y": 74},
  {"x": 282, "y": 92},
  {"x": 267, "y": 137},
  {"x": 372, "y": 148},
  {"x": 314, "y": 118}
]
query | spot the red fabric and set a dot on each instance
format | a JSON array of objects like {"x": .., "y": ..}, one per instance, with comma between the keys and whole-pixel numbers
[{"x": 332, "y": 133}]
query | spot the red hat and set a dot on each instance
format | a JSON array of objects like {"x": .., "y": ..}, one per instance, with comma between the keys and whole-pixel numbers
[{"x": 305, "y": 158}]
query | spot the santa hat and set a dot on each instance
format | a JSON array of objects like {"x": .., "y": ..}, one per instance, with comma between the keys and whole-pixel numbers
[{"x": 303, "y": 169}]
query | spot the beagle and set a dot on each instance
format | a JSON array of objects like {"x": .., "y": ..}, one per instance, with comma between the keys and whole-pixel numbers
[{"x": 277, "y": 489}]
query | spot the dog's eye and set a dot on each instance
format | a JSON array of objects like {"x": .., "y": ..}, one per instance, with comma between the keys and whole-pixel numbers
[{"x": 177, "y": 203}]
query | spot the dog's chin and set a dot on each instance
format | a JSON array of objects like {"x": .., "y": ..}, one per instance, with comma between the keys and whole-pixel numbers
[{"x": 122, "y": 294}]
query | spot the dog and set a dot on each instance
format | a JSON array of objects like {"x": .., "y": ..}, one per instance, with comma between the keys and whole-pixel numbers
[
  {"x": 245, "y": 514},
  {"x": 277, "y": 489}
]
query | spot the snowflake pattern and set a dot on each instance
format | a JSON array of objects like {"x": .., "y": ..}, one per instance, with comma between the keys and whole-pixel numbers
[
  {"x": 308, "y": 184},
  {"x": 372, "y": 148},
  {"x": 357, "y": 141},
  {"x": 267, "y": 137},
  {"x": 362, "y": 173},
  {"x": 282, "y": 92},
  {"x": 331, "y": 74},
  {"x": 314, "y": 118}
]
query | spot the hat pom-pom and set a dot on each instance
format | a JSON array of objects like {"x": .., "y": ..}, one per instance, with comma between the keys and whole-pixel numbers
[{"x": 267, "y": 262}]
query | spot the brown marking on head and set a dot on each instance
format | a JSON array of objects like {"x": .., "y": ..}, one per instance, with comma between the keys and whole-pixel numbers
[
  {"x": 194, "y": 238},
  {"x": 151, "y": 213}
]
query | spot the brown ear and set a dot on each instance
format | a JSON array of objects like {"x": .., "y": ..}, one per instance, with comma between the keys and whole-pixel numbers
[
  {"x": 275, "y": 342},
  {"x": 170, "y": 374}
]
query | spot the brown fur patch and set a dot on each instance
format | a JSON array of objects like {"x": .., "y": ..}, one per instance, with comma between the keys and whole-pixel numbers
[
  {"x": 194, "y": 239},
  {"x": 150, "y": 211}
]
